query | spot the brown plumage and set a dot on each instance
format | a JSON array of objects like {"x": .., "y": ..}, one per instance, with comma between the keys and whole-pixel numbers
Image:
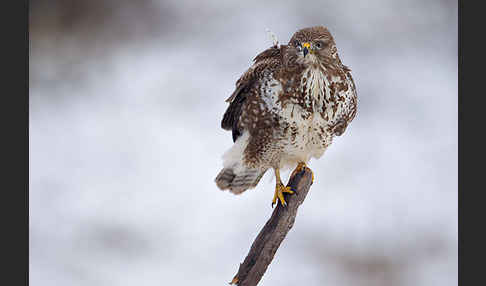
[{"x": 286, "y": 109}]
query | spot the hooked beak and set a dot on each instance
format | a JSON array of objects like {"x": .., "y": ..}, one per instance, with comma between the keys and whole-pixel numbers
[{"x": 306, "y": 47}]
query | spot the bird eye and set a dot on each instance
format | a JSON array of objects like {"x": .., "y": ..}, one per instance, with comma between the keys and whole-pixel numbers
[
  {"x": 298, "y": 46},
  {"x": 318, "y": 45}
]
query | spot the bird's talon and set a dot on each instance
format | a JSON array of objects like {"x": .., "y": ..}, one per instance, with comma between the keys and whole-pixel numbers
[
  {"x": 301, "y": 167},
  {"x": 280, "y": 189}
]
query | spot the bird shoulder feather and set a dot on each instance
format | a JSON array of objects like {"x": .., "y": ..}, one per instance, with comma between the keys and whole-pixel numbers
[{"x": 268, "y": 59}]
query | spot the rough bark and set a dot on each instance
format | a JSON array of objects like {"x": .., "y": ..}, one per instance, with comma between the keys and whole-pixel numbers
[{"x": 273, "y": 233}]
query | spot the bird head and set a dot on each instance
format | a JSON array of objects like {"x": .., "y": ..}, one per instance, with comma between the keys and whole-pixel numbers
[{"x": 314, "y": 44}]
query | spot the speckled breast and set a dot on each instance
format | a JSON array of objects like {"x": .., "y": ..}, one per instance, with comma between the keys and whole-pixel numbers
[{"x": 306, "y": 129}]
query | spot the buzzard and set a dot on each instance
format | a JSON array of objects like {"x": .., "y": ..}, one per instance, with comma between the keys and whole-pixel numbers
[{"x": 286, "y": 109}]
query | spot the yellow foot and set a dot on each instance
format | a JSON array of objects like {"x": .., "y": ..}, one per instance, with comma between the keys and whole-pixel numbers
[
  {"x": 300, "y": 167},
  {"x": 280, "y": 189}
]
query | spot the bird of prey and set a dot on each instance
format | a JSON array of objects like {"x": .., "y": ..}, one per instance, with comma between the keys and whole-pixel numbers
[{"x": 285, "y": 110}]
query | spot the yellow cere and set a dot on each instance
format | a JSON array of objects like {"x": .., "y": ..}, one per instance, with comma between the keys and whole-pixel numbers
[{"x": 306, "y": 45}]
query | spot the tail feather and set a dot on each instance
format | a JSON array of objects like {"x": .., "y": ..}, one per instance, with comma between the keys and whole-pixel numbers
[
  {"x": 240, "y": 181},
  {"x": 236, "y": 176}
]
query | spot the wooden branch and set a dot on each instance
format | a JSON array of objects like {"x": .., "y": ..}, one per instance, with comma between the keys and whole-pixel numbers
[{"x": 273, "y": 233}]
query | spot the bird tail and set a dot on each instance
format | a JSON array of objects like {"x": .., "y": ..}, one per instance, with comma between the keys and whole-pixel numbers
[
  {"x": 236, "y": 176},
  {"x": 238, "y": 180}
]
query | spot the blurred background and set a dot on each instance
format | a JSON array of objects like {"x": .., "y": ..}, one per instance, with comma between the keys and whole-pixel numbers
[{"x": 126, "y": 99}]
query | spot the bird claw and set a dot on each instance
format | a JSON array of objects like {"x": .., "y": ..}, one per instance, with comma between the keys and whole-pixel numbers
[
  {"x": 280, "y": 189},
  {"x": 301, "y": 167},
  {"x": 294, "y": 190}
]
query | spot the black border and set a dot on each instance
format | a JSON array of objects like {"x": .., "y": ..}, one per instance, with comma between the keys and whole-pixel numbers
[
  {"x": 471, "y": 51},
  {"x": 15, "y": 138}
]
